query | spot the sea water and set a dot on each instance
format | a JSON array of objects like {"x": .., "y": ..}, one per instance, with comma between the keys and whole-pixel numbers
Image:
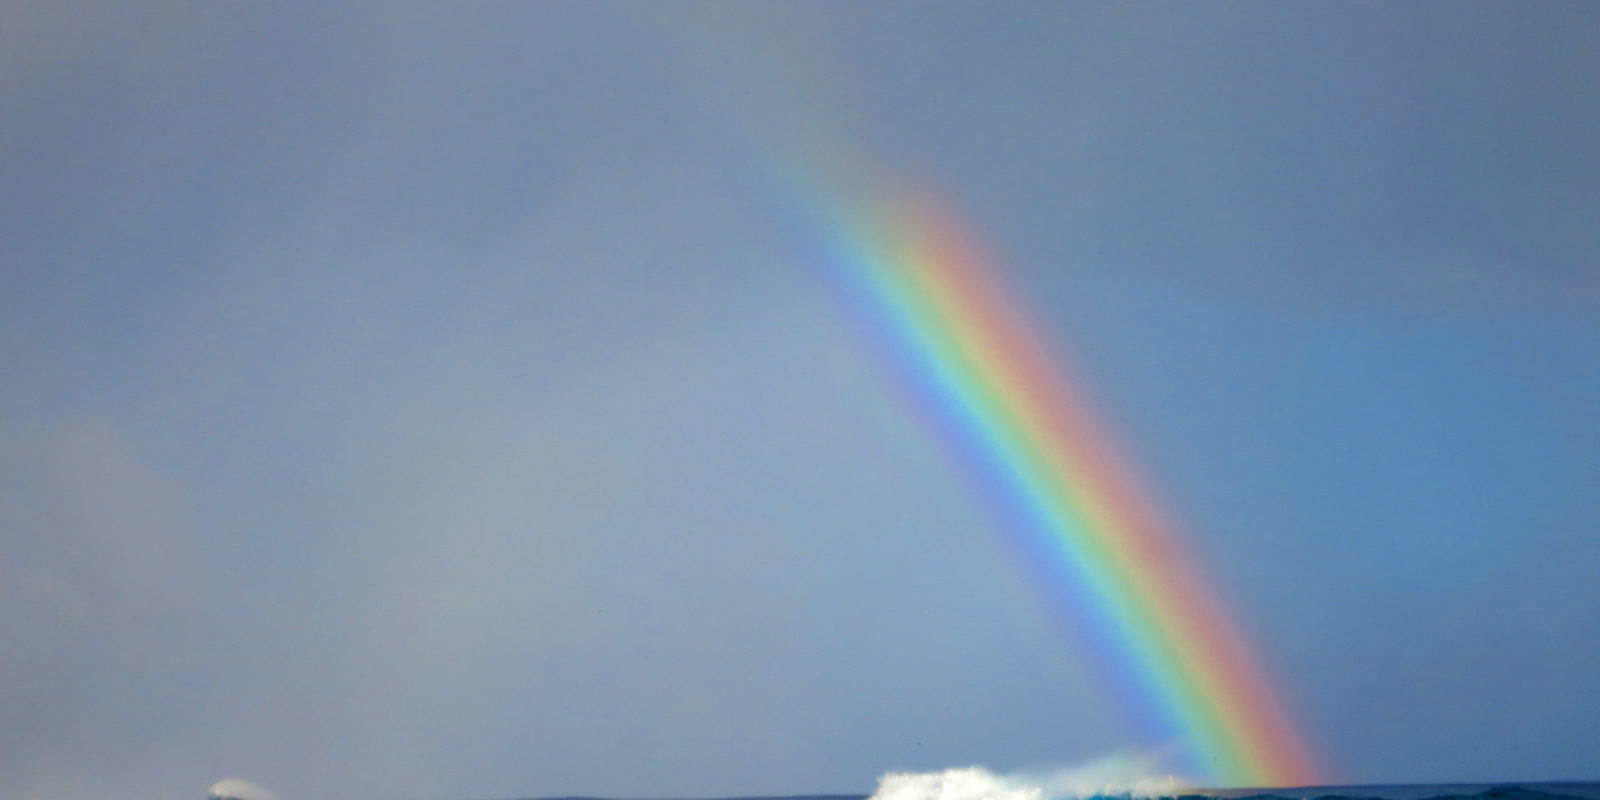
[
  {"x": 1574, "y": 790},
  {"x": 1418, "y": 791}
]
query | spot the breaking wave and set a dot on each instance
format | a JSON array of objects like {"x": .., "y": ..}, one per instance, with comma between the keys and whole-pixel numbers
[{"x": 1121, "y": 776}]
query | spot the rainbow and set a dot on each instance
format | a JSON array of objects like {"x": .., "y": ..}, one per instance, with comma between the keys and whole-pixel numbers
[{"x": 972, "y": 360}]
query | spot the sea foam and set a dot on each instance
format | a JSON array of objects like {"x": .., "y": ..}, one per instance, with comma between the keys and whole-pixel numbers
[{"x": 1119, "y": 776}]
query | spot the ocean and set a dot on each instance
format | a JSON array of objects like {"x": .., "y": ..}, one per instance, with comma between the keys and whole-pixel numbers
[
  {"x": 1583, "y": 790},
  {"x": 1569, "y": 790}
]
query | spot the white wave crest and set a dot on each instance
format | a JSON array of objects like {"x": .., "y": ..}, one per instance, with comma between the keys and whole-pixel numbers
[
  {"x": 1123, "y": 775},
  {"x": 235, "y": 789}
]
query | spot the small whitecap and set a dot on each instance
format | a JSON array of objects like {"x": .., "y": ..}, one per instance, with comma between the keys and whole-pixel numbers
[{"x": 235, "y": 789}]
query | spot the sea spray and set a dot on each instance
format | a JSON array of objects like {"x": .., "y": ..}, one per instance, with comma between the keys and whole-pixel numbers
[{"x": 1121, "y": 776}]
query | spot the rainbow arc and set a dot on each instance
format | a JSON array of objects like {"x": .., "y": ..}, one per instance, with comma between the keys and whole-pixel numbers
[{"x": 974, "y": 360}]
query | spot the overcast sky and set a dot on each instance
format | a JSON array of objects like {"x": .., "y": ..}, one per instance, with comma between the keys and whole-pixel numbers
[{"x": 418, "y": 402}]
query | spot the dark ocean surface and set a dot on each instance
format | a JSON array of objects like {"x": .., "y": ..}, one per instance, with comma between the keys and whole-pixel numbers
[
  {"x": 1570, "y": 790},
  {"x": 1586, "y": 790}
]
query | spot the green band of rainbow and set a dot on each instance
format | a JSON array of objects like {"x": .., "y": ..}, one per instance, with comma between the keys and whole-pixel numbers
[{"x": 929, "y": 290}]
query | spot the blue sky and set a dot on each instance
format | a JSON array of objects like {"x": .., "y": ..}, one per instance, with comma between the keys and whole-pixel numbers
[{"x": 411, "y": 401}]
